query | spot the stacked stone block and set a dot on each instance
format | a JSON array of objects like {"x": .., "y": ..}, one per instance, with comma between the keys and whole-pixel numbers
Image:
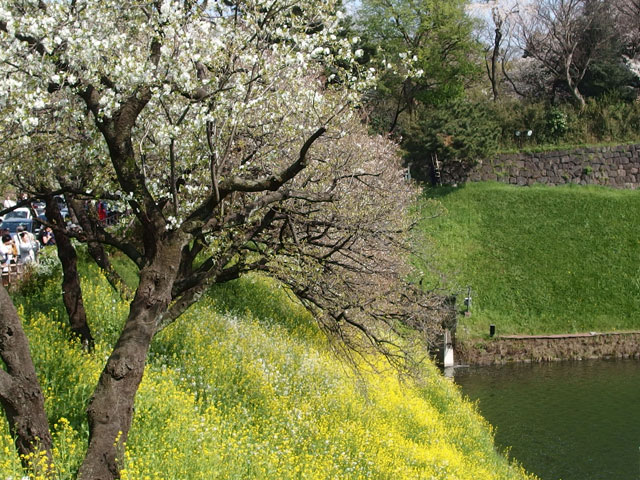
[{"x": 614, "y": 166}]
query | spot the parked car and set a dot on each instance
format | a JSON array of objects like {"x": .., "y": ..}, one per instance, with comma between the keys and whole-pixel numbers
[
  {"x": 38, "y": 207},
  {"x": 20, "y": 217},
  {"x": 18, "y": 213},
  {"x": 12, "y": 226}
]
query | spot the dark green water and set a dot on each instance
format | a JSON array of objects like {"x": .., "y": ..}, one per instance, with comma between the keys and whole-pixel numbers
[{"x": 574, "y": 421}]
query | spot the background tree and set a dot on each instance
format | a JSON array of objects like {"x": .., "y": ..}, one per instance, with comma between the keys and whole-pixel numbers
[
  {"x": 492, "y": 54},
  {"x": 627, "y": 14},
  {"x": 607, "y": 73},
  {"x": 496, "y": 36},
  {"x": 48, "y": 182},
  {"x": 457, "y": 136},
  {"x": 566, "y": 37},
  {"x": 71, "y": 291},
  {"x": 425, "y": 50},
  {"x": 221, "y": 132}
]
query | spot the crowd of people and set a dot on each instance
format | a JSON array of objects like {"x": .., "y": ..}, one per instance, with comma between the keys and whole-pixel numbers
[{"x": 24, "y": 247}]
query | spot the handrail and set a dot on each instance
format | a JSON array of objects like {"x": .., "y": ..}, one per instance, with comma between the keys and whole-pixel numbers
[{"x": 12, "y": 273}]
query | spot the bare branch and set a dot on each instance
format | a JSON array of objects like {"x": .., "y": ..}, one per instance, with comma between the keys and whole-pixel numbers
[{"x": 275, "y": 181}]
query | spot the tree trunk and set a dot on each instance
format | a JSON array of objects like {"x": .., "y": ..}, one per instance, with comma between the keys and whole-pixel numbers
[
  {"x": 577, "y": 96},
  {"x": 111, "y": 408},
  {"x": 573, "y": 85},
  {"x": 404, "y": 94},
  {"x": 71, "y": 291},
  {"x": 96, "y": 250},
  {"x": 20, "y": 393},
  {"x": 493, "y": 77}
]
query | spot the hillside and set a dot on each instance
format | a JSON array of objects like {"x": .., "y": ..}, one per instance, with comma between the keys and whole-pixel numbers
[
  {"x": 538, "y": 259},
  {"x": 244, "y": 387}
]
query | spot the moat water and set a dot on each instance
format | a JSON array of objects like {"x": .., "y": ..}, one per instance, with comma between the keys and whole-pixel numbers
[{"x": 566, "y": 420}]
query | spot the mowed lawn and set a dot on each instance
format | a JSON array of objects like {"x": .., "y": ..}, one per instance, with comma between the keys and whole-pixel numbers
[{"x": 538, "y": 259}]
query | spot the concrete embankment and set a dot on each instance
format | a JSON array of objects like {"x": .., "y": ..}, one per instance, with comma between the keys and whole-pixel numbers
[{"x": 544, "y": 348}]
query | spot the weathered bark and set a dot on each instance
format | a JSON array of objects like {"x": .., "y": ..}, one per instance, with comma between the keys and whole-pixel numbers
[
  {"x": 573, "y": 85},
  {"x": 20, "y": 393},
  {"x": 493, "y": 75},
  {"x": 71, "y": 290},
  {"x": 578, "y": 98},
  {"x": 111, "y": 408},
  {"x": 96, "y": 250}
]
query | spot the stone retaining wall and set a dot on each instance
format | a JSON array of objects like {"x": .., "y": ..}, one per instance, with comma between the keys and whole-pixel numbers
[
  {"x": 616, "y": 166},
  {"x": 550, "y": 348}
]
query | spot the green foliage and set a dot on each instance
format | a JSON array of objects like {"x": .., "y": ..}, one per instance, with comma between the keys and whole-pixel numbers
[
  {"x": 457, "y": 130},
  {"x": 41, "y": 288},
  {"x": 425, "y": 54},
  {"x": 612, "y": 119},
  {"x": 556, "y": 123},
  {"x": 609, "y": 119},
  {"x": 236, "y": 396},
  {"x": 539, "y": 259},
  {"x": 609, "y": 77}
]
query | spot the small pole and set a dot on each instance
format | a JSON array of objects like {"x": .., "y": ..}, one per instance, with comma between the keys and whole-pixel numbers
[
  {"x": 492, "y": 330},
  {"x": 467, "y": 302}
]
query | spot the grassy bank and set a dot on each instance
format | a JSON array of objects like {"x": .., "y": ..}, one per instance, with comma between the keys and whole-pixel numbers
[
  {"x": 539, "y": 259},
  {"x": 246, "y": 389}
]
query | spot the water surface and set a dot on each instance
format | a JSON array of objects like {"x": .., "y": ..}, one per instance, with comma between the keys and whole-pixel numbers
[{"x": 568, "y": 420}]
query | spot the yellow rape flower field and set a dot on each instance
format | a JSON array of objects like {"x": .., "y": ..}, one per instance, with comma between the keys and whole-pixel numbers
[{"x": 250, "y": 393}]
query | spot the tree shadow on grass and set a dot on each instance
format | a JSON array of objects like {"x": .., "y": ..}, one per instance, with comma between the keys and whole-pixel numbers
[{"x": 441, "y": 191}]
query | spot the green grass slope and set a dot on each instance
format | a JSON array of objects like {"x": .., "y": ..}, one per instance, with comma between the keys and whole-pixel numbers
[
  {"x": 539, "y": 259},
  {"x": 247, "y": 390}
]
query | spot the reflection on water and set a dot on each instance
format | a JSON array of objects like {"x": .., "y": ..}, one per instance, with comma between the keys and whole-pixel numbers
[{"x": 569, "y": 420}]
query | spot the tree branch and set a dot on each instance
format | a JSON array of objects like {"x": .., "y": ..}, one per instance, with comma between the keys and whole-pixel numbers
[{"x": 275, "y": 181}]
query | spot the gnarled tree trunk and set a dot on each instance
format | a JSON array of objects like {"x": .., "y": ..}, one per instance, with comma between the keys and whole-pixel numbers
[
  {"x": 111, "y": 408},
  {"x": 573, "y": 84},
  {"x": 20, "y": 393},
  {"x": 71, "y": 291}
]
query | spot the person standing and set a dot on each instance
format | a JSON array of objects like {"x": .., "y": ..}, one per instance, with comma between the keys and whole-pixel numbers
[
  {"x": 28, "y": 246},
  {"x": 4, "y": 261},
  {"x": 8, "y": 202},
  {"x": 10, "y": 248},
  {"x": 46, "y": 237},
  {"x": 102, "y": 212}
]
